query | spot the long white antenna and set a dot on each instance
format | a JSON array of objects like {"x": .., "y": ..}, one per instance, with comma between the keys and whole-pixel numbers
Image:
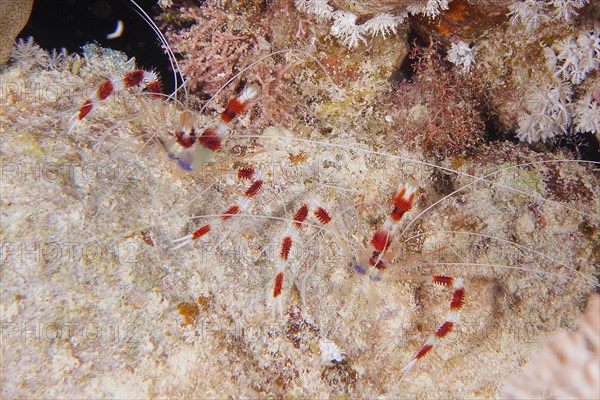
[{"x": 177, "y": 76}]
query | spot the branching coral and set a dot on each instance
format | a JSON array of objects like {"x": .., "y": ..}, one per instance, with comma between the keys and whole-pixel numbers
[
  {"x": 281, "y": 101},
  {"x": 216, "y": 46},
  {"x": 212, "y": 51},
  {"x": 444, "y": 108}
]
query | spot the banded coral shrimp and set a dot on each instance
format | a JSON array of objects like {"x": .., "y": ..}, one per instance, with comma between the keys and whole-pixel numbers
[{"x": 196, "y": 320}]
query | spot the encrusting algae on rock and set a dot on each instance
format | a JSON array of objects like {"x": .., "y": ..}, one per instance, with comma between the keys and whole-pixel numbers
[{"x": 94, "y": 294}]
